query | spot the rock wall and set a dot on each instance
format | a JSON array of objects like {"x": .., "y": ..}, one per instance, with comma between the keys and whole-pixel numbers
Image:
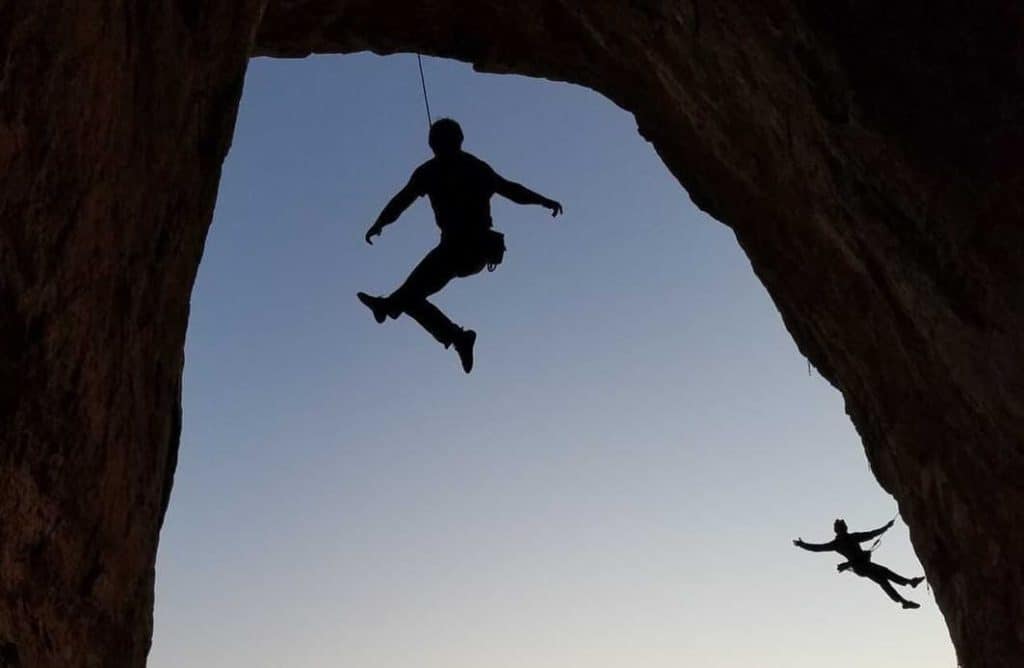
[
  {"x": 866, "y": 153},
  {"x": 115, "y": 117}
]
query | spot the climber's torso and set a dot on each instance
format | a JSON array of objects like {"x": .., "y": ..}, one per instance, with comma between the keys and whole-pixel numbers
[{"x": 460, "y": 188}]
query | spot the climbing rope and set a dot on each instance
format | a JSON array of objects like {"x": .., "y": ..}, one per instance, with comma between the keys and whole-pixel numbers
[
  {"x": 878, "y": 540},
  {"x": 423, "y": 83}
]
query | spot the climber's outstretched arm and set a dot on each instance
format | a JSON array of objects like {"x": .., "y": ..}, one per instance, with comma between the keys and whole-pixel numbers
[
  {"x": 862, "y": 536},
  {"x": 815, "y": 547},
  {"x": 520, "y": 194},
  {"x": 395, "y": 208}
]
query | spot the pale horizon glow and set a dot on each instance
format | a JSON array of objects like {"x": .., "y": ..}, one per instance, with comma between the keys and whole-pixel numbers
[{"x": 616, "y": 485}]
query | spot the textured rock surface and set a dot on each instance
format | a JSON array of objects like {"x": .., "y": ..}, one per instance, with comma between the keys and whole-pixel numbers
[
  {"x": 114, "y": 120},
  {"x": 867, "y": 154}
]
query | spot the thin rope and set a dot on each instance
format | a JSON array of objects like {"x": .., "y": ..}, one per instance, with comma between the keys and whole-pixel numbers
[
  {"x": 423, "y": 83},
  {"x": 879, "y": 539}
]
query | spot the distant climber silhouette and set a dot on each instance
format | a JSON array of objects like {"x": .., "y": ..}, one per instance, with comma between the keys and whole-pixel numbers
[
  {"x": 859, "y": 560},
  {"x": 460, "y": 187}
]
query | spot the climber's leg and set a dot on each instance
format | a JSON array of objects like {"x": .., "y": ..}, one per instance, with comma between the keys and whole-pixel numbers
[
  {"x": 434, "y": 321},
  {"x": 894, "y": 577},
  {"x": 433, "y": 272},
  {"x": 427, "y": 278},
  {"x": 878, "y": 575}
]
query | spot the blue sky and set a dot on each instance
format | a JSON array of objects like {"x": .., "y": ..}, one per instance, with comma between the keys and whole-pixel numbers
[{"x": 615, "y": 485}]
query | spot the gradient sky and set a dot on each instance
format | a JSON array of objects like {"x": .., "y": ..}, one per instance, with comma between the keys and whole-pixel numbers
[{"x": 616, "y": 485}]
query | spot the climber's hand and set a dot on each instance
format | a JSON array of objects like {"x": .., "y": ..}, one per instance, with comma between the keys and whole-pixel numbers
[
  {"x": 556, "y": 207},
  {"x": 374, "y": 231}
]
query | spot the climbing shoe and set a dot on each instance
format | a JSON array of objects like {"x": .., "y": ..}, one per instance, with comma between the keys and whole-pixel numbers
[
  {"x": 464, "y": 347},
  {"x": 916, "y": 581},
  {"x": 910, "y": 605},
  {"x": 378, "y": 305}
]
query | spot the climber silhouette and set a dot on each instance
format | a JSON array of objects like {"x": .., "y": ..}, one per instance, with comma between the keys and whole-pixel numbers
[
  {"x": 460, "y": 187},
  {"x": 859, "y": 560}
]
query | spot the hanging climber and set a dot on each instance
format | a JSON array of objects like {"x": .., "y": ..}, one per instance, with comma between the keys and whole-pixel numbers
[
  {"x": 459, "y": 187},
  {"x": 859, "y": 560}
]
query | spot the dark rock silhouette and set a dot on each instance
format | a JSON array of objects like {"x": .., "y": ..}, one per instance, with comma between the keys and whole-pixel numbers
[
  {"x": 460, "y": 187},
  {"x": 866, "y": 155},
  {"x": 9, "y": 655}
]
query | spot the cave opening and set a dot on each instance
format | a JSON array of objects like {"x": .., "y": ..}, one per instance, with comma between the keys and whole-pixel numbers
[
  {"x": 866, "y": 156},
  {"x": 643, "y": 439}
]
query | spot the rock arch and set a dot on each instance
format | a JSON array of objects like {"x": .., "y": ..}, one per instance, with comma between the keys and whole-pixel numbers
[{"x": 866, "y": 154}]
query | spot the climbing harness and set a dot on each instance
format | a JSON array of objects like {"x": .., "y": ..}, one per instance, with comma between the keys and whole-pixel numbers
[
  {"x": 874, "y": 546},
  {"x": 423, "y": 84},
  {"x": 493, "y": 247}
]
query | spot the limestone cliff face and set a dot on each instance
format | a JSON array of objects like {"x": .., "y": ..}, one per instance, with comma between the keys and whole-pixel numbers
[
  {"x": 114, "y": 120},
  {"x": 866, "y": 153}
]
